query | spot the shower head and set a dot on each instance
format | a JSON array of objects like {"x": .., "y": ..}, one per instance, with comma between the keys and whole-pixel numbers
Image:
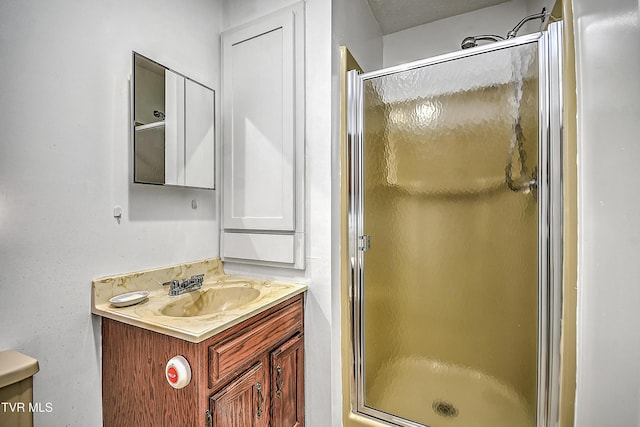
[
  {"x": 472, "y": 41},
  {"x": 468, "y": 42}
]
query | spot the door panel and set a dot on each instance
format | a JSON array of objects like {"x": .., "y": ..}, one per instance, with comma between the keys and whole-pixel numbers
[
  {"x": 244, "y": 402},
  {"x": 287, "y": 385}
]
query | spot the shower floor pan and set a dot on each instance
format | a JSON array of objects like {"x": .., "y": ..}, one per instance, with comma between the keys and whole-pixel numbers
[{"x": 440, "y": 395}]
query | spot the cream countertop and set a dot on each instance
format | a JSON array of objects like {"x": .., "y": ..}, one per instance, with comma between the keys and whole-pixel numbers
[{"x": 147, "y": 314}]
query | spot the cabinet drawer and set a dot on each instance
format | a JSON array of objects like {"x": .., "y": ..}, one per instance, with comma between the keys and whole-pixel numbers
[{"x": 229, "y": 355}]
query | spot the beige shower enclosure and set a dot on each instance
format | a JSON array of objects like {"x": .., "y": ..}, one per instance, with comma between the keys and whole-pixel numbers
[{"x": 454, "y": 225}]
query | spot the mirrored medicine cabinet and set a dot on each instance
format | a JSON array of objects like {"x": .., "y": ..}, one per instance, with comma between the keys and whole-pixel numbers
[{"x": 173, "y": 127}]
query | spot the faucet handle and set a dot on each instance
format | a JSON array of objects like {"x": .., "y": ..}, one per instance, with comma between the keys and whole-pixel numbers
[
  {"x": 172, "y": 283},
  {"x": 197, "y": 279},
  {"x": 174, "y": 287}
]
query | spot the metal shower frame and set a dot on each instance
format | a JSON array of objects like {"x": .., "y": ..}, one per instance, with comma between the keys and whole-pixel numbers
[{"x": 550, "y": 218}]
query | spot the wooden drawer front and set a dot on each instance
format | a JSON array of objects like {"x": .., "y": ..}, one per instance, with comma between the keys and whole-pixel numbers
[{"x": 264, "y": 335}]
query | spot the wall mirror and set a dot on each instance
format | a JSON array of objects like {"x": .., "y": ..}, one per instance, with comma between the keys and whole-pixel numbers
[{"x": 173, "y": 127}]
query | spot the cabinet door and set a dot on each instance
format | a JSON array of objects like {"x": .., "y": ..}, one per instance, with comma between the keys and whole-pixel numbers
[
  {"x": 263, "y": 122},
  {"x": 287, "y": 384},
  {"x": 244, "y": 402},
  {"x": 174, "y": 128},
  {"x": 199, "y": 136}
]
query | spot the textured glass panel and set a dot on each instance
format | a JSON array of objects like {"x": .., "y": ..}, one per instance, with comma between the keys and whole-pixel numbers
[{"x": 450, "y": 300}]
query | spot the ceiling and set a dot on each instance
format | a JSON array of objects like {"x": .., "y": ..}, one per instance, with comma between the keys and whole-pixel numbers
[{"x": 397, "y": 15}]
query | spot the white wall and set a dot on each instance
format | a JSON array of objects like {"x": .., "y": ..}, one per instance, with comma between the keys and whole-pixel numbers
[
  {"x": 608, "y": 350},
  {"x": 355, "y": 26},
  {"x": 445, "y": 35},
  {"x": 318, "y": 198},
  {"x": 238, "y": 12},
  {"x": 64, "y": 165}
]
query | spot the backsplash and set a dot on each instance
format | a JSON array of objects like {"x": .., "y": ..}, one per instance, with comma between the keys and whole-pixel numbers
[{"x": 107, "y": 287}]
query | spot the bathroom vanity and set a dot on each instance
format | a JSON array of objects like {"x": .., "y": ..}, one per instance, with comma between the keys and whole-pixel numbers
[{"x": 248, "y": 372}]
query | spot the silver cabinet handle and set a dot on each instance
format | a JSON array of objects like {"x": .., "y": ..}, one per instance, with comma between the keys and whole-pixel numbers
[
  {"x": 260, "y": 400},
  {"x": 279, "y": 382}
]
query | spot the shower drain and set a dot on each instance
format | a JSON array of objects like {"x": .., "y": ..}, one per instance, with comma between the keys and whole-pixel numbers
[{"x": 444, "y": 409}]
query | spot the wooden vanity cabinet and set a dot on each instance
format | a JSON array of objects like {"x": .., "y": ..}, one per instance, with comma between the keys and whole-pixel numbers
[{"x": 251, "y": 375}]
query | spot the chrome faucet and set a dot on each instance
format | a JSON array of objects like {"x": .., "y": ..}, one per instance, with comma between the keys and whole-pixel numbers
[{"x": 177, "y": 287}]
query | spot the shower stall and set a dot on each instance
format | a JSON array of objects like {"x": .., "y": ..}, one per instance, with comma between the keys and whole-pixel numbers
[{"x": 455, "y": 236}]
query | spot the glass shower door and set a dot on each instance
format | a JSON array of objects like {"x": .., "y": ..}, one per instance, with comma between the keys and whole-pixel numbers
[{"x": 448, "y": 306}]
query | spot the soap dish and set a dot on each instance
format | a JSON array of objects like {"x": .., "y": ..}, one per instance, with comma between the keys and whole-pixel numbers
[{"x": 130, "y": 298}]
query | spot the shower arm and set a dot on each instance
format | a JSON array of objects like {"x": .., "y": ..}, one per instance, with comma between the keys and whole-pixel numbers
[{"x": 511, "y": 34}]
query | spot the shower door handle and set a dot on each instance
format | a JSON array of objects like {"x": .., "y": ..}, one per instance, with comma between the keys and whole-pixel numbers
[{"x": 364, "y": 242}]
